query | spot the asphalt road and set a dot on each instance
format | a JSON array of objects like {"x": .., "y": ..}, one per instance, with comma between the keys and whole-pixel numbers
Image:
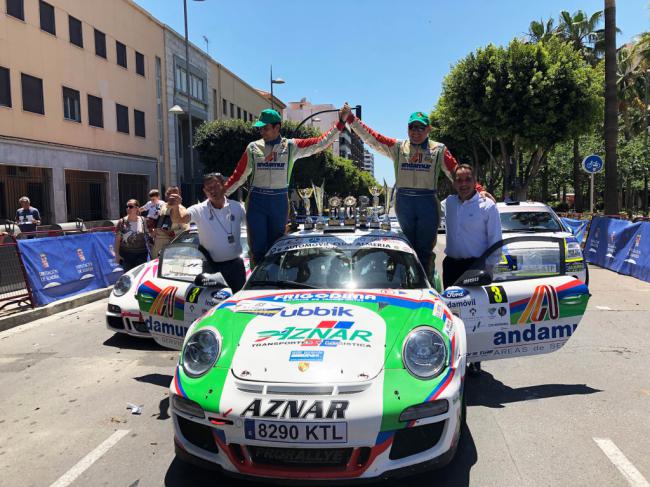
[{"x": 66, "y": 382}]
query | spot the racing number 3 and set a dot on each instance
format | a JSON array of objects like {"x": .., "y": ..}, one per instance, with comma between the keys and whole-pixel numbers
[{"x": 496, "y": 294}]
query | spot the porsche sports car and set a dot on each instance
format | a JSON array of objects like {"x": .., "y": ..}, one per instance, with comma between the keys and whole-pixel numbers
[
  {"x": 338, "y": 361},
  {"x": 530, "y": 217},
  {"x": 123, "y": 313}
]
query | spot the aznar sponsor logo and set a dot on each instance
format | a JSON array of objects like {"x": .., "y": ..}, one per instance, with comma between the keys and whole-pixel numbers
[
  {"x": 325, "y": 297},
  {"x": 317, "y": 311},
  {"x": 455, "y": 293},
  {"x": 534, "y": 333},
  {"x": 333, "y": 333},
  {"x": 165, "y": 328}
]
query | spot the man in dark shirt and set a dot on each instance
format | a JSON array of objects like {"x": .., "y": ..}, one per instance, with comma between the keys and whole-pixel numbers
[{"x": 27, "y": 217}]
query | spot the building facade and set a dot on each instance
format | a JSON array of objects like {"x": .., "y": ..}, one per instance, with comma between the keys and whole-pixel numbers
[
  {"x": 369, "y": 162},
  {"x": 78, "y": 125}
]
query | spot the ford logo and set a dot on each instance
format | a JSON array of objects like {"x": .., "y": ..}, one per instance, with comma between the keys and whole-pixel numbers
[{"x": 455, "y": 293}]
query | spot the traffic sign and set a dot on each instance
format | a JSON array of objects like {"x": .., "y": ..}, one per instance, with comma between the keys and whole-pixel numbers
[{"x": 592, "y": 164}]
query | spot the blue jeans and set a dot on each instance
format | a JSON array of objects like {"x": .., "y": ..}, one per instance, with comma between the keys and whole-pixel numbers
[
  {"x": 417, "y": 213},
  {"x": 266, "y": 219}
]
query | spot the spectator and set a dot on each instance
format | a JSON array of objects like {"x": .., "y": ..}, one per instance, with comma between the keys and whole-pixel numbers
[
  {"x": 131, "y": 237},
  {"x": 166, "y": 230},
  {"x": 27, "y": 217},
  {"x": 151, "y": 210}
]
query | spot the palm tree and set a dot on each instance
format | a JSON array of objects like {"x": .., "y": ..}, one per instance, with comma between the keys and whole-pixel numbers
[
  {"x": 611, "y": 111},
  {"x": 541, "y": 31}
]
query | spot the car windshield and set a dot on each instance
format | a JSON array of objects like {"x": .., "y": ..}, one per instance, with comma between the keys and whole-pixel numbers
[
  {"x": 529, "y": 221},
  {"x": 339, "y": 268}
]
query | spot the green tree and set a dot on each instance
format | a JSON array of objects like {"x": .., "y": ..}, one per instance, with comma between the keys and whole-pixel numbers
[{"x": 540, "y": 31}]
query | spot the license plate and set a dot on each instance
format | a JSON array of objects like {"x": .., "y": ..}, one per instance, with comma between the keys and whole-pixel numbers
[{"x": 296, "y": 432}]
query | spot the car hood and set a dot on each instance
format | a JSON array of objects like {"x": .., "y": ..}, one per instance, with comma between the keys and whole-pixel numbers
[
  {"x": 316, "y": 336},
  {"x": 537, "y": 234}
]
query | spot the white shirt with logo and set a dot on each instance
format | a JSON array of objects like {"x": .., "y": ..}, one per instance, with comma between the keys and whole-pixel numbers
[{"x": 216, "y": 224}]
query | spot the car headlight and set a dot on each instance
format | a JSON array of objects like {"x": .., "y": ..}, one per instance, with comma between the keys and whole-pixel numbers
[
  {"x": 201, "y": 352},
  {"x": 573, "y": 251},
  {"x": 424, "y": 353},
  {"x": 122, "y": 285}
]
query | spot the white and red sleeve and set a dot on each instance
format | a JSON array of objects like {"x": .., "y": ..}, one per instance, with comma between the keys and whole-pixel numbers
[
  {"x": 239, "y": 175},
  {"x": 313, "y": 145},
  {"x": 385, "y": 145}
]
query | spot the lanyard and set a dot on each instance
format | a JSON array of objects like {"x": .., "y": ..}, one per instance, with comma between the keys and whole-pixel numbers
[{"x": 229, "y": 217}]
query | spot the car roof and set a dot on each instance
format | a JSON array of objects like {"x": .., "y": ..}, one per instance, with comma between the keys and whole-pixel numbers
[{"x": 523, "y": 206}]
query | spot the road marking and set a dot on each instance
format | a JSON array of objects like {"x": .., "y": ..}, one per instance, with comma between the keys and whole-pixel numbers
[
  {"x": 629, "y": 471},
  {"x": 604, "y": 308},
  {"x": 87, "y": 461}
]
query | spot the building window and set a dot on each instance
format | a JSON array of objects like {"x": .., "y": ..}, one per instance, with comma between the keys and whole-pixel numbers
[
  {"x": 138, "y": 119},
  {"x": 238, "y": 112},
  {"x": 122, "y": 118},
  {"x": 181, "y": 79},
  {"x": 95, "y": 111},
  {"x": 250, "y": 117},
  {"x": 224, "y": 106},
  {"x": 5, "y": 87},
  {"x": 100, "y": 43},
  {"x": 196, "y": 85},
  {"x": 32, "y": 94},
  {"x": 71, "y": 110},
  {"x": 245, "y": 115},
  {"x": 47, "y": 17},
  {"x": 139, "y": 63},
  {"x": 76, "y": 34},
  {"x": 16, "y": 9},
  {"x": 121, "y": 53},
  {"x": 232, "y": 110}
]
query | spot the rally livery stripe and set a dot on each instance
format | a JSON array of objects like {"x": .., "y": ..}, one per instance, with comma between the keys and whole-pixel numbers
[{"x": 177, "y": 382}]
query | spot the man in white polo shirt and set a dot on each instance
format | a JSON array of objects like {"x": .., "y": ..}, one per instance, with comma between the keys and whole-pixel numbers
[
  {"x": 218, "y": 221},
  {"x": 473, "y": 225}
]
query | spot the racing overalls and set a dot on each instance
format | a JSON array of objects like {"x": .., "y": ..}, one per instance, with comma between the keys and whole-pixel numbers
[
  {"x": 417, "y": 168},
  {"x": 271, "y": 164}
]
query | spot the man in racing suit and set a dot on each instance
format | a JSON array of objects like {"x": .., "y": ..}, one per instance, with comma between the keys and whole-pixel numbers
[
  {"x": 417, "y": 163},
  {"x": 270, "y": 160}
]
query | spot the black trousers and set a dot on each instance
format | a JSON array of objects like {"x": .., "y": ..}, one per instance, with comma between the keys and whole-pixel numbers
[
  {"x": 452, "y": 269},
  {"x": 132, "y": 259},
  {"x": 233, "y": 272}
]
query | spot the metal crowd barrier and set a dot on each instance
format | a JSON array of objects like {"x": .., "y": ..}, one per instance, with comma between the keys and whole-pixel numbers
[{"x": 14, "y": 287}]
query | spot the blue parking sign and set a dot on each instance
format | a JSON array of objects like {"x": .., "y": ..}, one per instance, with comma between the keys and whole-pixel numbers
[{"x": 592, "y": 164}]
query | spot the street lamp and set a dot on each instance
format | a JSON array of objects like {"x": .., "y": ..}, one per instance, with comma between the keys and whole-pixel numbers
[
  {"x": 356, "y": 108},
  {"x": 176, "y": 110},
  {"x": 189, "y": 100},
  {"x": 645, "y": 141},
  {"x": 277, "y": 81}
]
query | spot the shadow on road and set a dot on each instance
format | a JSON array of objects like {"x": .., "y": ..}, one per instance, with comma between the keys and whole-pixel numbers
[
  {"x": 456, "y": 474},
  {"x": 162, "y": 380},
  {"x": 120, "y": 340},
  {"x": 487, "y": 391}
]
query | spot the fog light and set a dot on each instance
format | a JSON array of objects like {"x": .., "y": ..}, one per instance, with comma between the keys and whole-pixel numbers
[
  {"x": 112, "y": 308},
  {"x": 186, "y": 406},
  {"x": 424, "y": 410}
]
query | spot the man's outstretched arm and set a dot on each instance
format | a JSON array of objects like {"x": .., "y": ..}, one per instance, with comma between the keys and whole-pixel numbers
[{"x": 239, "y": 175}]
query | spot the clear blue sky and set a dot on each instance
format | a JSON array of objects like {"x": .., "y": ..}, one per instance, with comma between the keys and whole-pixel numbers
[{"x": 390, "y": 57}]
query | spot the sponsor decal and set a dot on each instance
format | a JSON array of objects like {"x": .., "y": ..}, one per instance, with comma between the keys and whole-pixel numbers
[
  {"x": 165, "y": 303},
  {"x": 306, "y": 355},
  {"x": 611, "y": 245},
  {"x": 455, "y": 293},
  {"x": 220, "y": 295},
  {"x": 635, "y": 250},
  {"x": 317, "y": 311},
  {"x": 503, "y": 311},
  {"x": 325, "y": 297},
  {"x": 193, "y": 294},
  {"x": 543, "y": 305},
  {"x": 461, "y": 304},
  {"x": 496, "y": 294},
  {"x": 259, "y": 308},
  {"x": 326, "y": 334},
  {"x": 534, "y": 333},
  {"x": 172, "y": 329},
  {"x": 296, "y": 409},
  {"x": 303, "y": 366}
]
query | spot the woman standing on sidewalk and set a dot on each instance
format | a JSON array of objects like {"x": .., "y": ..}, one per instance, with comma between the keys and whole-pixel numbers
[
  {"x": 131, "y": 237},
  {"x": 165, "y": 229}
]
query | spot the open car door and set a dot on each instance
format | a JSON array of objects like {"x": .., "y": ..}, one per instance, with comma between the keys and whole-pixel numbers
[{"x": 525, "y": 304}]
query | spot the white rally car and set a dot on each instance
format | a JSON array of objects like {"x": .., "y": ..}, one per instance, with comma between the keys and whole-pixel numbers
[
  {"x": 533, "y": 218},
  {"x": 123, "y": 312},
  {"x": 338, "y": 361}
]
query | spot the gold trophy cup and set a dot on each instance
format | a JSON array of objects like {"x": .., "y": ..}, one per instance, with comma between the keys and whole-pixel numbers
[{"x": 305, "y": 194}]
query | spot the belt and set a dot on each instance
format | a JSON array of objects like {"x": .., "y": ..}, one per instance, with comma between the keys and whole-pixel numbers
[
  {"x": 270, "y": 191},
  {"x": 416, "y": 192}
]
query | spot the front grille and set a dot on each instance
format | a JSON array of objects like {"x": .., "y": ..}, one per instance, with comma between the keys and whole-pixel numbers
[
  {"x": 410, "y": 441},
  {"x": 302, "y": 457},
  {"x": 140, "y": 326},
  {"x": 115, "y": 322},
  {"x": 197, "y": 434}
]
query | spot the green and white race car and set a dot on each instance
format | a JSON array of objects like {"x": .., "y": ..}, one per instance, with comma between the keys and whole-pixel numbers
[{"x": 338, "y": 361}]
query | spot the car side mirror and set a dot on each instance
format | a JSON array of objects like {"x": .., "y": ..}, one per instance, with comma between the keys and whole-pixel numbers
[
  {"x": 215, "y": 280},
  {"x": 474, "y": 277}
]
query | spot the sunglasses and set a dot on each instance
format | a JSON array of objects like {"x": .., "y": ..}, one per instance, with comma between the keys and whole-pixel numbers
[
  {"x": 417, "y": 128},
  {"x": 130, "y": 207}
]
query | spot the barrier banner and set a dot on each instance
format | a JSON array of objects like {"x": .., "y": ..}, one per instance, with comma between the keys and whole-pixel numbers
[
  {"x": 577, "y": 227},
  {"x": 110, "y": 270},
  {"x": 60, "y": 267},
  {"x": 636, "y": 252}
]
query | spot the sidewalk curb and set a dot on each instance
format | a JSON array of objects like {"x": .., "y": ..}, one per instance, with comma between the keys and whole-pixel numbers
[{"x": 53, "y": 308}]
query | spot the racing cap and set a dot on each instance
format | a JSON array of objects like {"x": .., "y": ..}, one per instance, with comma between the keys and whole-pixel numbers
[
  {"x": 268, "y": 116},
  {"x": 419, "y": 117}
]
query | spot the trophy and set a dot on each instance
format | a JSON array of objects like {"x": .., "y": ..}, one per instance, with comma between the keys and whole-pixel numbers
[
  {"x": 335, "y": 203},
  {"x": 305, "y": 194},
  {"x": 375, "y": 191},
  {"x": 364, "y": 201},
  {"x": 389, "y": 193},
  {"x": 350, "y": 212},
  {"x": 319, "y": 194},
  {"x": 293, "y": 224}
]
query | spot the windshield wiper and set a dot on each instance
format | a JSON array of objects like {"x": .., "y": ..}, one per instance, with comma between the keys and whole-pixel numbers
[
  {"x": 290, "y": 284},
  {"x": 519, "y": 230}
]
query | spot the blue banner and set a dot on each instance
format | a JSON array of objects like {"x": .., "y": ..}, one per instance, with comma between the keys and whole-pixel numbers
[
  {"x": 60, "y": 267},
  {"x": 110, "y": 270},
  {"x": 577, "y": 227}
]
